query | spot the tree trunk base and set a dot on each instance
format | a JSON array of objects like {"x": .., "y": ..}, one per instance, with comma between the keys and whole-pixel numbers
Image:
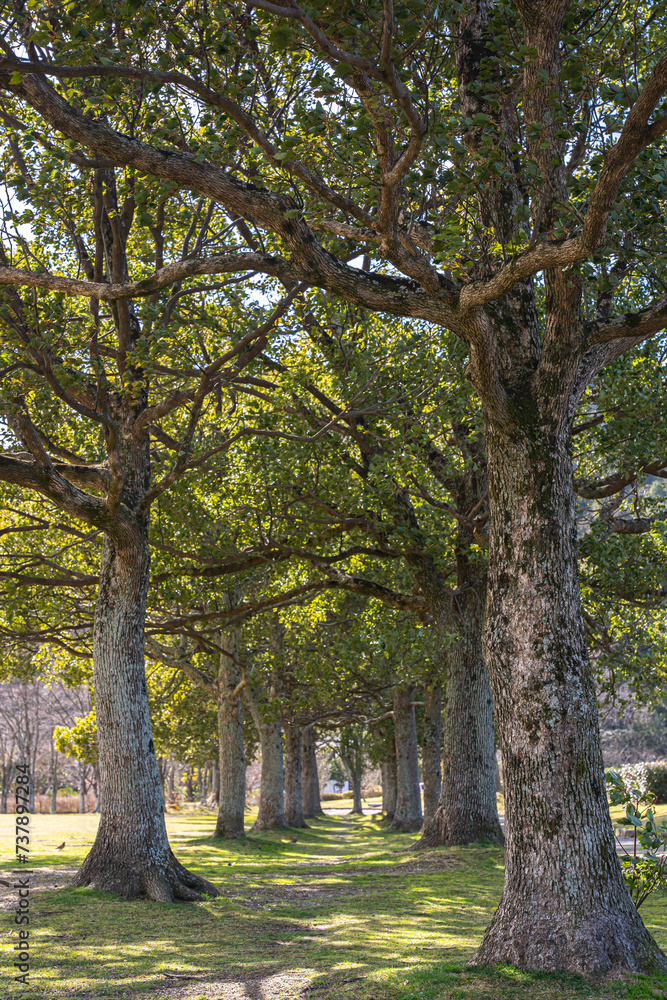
[
  {"x": 608, "y": 941},
  {"x": 270, "y": 824},
  {"x": 446, "y": 830},
  {"x": 166, "y": 882},
  {"x": 229, "y": 829},
  {"x": 413, "y": 825}
]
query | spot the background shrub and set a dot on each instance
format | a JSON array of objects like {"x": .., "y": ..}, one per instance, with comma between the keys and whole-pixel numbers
[{"x": 648, "y": 776}]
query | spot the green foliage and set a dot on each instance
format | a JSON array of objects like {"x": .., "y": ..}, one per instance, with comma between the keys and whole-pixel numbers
[
  {"x": 619, "y": 448},
  {"x": 78, "y": 741},
  {"x": 649, "y": 777},
  {"x": 644, "y": 873}
]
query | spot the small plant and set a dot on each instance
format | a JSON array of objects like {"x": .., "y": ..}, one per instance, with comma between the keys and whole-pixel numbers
[{"x": 646, "y": 872}]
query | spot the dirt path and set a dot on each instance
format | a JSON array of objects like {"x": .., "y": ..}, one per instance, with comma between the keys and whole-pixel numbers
[{"x": 41, "y": 880}]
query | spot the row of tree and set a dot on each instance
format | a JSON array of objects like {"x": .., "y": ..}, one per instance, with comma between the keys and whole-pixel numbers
[{"x": 328, "y": 332}]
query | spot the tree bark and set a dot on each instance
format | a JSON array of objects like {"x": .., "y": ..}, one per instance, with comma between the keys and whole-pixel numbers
[
  {"x": 54, "y": 779},
  {"x": 271, "y": 815},
  {"x": 31, "y": 786},
  {"x": 7, "y": 775},
  {"x": 98, "y": 789},
  {"x": 131, "y": 854},
  {"x": 388, "y": 769},
  {"x": 467, "y": 811},
  {"x": 352, "y": 759},
  {"x": 408, "y": 815},
  {"x": 231, "y": 748},
  {"x": 171, "y": 781},
  {"x": 432, "y": 750},
  {"x": 310, "y": 778},
  {"x": 565, "y": 904},
  {"x": 82, "y": 787},
  {"x": 357, "y": 808},
  {"x": 215, "y": 782},
  {"x": 293, "y": 775}
]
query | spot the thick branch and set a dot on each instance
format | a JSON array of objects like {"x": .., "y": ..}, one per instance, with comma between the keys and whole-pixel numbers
[
  {"x": 177, "y": 658},
  {"x": 368, "y": 588},
  {"x": 64, "y": 494},
  {"x": 310, "y": 263}
]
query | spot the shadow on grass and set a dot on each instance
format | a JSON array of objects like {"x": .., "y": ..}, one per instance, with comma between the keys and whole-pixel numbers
[
  {"x": 337, "y": 910},
  {"x": 459, "y": 981}
]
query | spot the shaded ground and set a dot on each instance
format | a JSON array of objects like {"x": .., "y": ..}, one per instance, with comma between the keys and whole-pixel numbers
[{"x": 340, "y": 910}]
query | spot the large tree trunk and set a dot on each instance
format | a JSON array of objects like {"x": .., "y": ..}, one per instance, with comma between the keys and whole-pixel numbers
[
  {"x": 293, "y": 775},
  {"x": 215, "y": 782},
  {"x": 352, "y": 759},
  {"x": 565, "y": 904},
  {"x": 98, "y": 789},
  {"x": 231, "y": 749},
  {"x": 271, "y": 815},
  {"x": 357, "y": 808},
  {"x": 131, "y": 854},
  {"x": 310, "y": 778},
  {"x": 388, "y": 771},
  {"x": 467, "y": 811},
  {"x": 432, "y": 750},
  {"x": 408, "y": 814}
]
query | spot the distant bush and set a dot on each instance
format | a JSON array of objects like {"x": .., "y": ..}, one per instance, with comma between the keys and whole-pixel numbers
[
  {"x": 328, "y": 796},
  {"x": 647, "y": 776}
]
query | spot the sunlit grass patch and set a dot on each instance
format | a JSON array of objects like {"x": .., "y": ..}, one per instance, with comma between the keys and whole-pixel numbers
[{"x": 342, "y": 909}]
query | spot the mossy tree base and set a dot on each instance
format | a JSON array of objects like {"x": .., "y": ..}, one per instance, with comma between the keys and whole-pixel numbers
[{"x": 165, "y": 881}]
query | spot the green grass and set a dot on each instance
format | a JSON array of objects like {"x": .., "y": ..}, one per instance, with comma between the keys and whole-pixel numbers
[{"x": 344, "y": 912}]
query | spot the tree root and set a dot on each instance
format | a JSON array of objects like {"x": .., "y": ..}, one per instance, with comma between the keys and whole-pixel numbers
[
  {"x": 163, "y": 883},
  {"x": 405, "y": 825},
  {"x": 442, "y": 832},
  {"x": 270, "y": 825},
  {"x": 610, "y": 940}
]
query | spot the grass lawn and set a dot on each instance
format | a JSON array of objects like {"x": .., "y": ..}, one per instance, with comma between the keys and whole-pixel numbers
[{"x": 341, "y": 910}]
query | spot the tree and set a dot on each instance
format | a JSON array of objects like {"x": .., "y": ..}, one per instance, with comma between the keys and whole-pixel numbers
[
  {"x": 351, "y": 751},
  {"x": 221, "y": 677},
  {"x": 312, "y": 806},
  {"x": 415, "y": 447},
  {"x": 479, "y": 163},
  {"x": 97, "y": 386}
]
